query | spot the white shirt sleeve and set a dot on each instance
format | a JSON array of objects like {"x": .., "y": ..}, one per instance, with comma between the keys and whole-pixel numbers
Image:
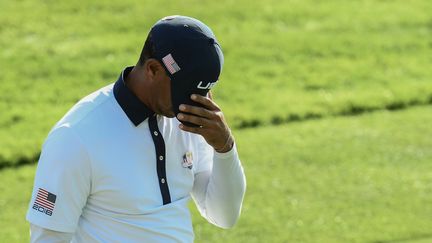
[
  {"x": 62, "y": 182},
  {"x": 218, "y": 192},
  {"x": 41, "y": 235}
]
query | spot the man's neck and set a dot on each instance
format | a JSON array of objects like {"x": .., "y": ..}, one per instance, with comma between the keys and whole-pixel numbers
[{"x": 137, "y": 83}]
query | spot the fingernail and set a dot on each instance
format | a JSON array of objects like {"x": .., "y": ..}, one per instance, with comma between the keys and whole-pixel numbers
[
  {"x": 180, "y": 116},
  {"x": 193, "y": 97},
  {"x": 182, "y": 107},
  {"x": 181, "y": 125}
]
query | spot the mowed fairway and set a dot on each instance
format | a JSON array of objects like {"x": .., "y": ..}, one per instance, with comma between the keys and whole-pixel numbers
[
  {"x": 352, "y": 179},
  {"x": 330, "y": 102}
]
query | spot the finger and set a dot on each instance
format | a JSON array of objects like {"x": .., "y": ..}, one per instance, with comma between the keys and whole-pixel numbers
[
  {"x": 210, "y": 95},
  {"x": 191, "y": 119},
  {"x": 199, "y": 111},
  {"x": 207, "y": 102},
  {"x": 200, "y": 121},
  {"x": 196, "y": 130}
]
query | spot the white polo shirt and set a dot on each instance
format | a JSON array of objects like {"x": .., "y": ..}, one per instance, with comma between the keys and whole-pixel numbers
[{"x": 112, "y": 171}]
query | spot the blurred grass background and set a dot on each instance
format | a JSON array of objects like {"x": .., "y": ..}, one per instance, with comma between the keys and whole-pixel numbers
[{"x": 342, "y": 178}]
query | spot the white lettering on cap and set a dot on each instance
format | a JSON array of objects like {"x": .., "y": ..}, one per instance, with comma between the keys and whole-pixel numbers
[{"x": 207, "y": 86}]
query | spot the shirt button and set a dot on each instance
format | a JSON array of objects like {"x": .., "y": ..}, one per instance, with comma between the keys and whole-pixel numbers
[
  {"x": 161, "y": 157},
  {"x": 163, "y": 180},
  {"x": 155, "y": 133}
]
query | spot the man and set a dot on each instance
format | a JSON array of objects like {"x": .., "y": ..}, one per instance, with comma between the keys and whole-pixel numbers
[{"x": 121, "y": 165}]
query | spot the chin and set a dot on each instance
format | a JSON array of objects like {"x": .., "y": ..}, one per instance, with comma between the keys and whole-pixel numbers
[
  {"x": 169, "y": 114},
  {"x": 164, "y": 111}
]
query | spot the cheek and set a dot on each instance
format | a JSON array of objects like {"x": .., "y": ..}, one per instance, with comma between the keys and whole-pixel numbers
[
  {"x": 167, "y": 91},
  {"x": 164, "y": 94}
]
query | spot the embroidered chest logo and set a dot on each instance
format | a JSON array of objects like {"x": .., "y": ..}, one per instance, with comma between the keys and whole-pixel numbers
[
  {"x": 187, "y": 160},
  {"x": 44, "y": 202}
]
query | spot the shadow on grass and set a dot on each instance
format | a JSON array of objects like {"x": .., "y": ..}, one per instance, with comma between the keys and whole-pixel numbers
[
  {"x": 349, "y": 110},
  {"x": 5, "y": 164}
]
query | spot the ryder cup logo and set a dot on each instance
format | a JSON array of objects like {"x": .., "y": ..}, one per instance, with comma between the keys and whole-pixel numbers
[{"x": 187, "y": 160}]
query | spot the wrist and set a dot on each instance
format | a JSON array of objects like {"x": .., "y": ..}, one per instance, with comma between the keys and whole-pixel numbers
[{"x": 229, "y": 144}]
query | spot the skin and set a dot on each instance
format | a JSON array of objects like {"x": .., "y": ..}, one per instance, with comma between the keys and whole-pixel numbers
[{"x": 150, "y": 83}]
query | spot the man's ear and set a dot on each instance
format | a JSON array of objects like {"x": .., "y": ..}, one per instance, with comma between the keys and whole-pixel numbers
[{"x": 153, "y": 68}]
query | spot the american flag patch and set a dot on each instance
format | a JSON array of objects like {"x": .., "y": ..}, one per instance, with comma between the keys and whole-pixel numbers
[
  {"x": 45, "y": 199},
  {"x": 170, "y": 64}
]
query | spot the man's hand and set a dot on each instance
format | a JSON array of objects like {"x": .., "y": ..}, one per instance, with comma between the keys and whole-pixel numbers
[{"x": 211, "y": 123}]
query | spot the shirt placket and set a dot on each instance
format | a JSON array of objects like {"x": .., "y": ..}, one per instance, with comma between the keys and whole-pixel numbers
[{"x": 159, "y": 144}]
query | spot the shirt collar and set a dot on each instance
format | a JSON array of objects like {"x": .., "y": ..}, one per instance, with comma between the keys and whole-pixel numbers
[{"x": 135, "y": 110}]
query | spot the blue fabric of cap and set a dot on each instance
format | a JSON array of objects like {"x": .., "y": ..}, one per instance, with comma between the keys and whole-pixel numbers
[{"x": 191, "y": 55}]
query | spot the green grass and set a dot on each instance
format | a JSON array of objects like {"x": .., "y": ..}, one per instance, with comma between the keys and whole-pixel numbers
[
  {"x": 364, "y": 179},
  {"x": 284, "y": 60},
  {"x": 15, "y": 187},
  {"x": 344, "y": 179}
]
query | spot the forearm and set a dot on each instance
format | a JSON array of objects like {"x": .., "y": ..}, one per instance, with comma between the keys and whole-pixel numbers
[{"x": 219, "y": 194}]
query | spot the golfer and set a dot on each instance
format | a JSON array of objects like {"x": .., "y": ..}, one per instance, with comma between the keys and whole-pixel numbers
[{"x": 123, "y": 163}]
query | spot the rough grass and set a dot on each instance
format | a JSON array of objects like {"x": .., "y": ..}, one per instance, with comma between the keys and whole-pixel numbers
[
  {"x": 285, "y": 61},
  {"x": 346, "y": 179}
]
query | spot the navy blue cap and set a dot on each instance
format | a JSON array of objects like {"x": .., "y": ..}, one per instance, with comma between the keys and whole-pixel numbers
[{"x": 191, "y": 55}]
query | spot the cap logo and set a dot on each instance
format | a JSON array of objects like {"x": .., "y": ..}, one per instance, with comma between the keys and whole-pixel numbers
[
  {"x": 170, "y": 64},
  {"x": 207, "y": 86}
]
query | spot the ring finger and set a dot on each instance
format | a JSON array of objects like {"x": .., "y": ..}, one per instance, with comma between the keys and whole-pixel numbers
[
  {"x": 200, "y": 121},
  {"x": 199, "y": 111}
]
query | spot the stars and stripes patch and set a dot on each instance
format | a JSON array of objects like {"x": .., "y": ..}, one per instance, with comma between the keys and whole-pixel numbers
[
  {"x": 44, "y": 201},
  {"x": 170, "y": 64}
]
